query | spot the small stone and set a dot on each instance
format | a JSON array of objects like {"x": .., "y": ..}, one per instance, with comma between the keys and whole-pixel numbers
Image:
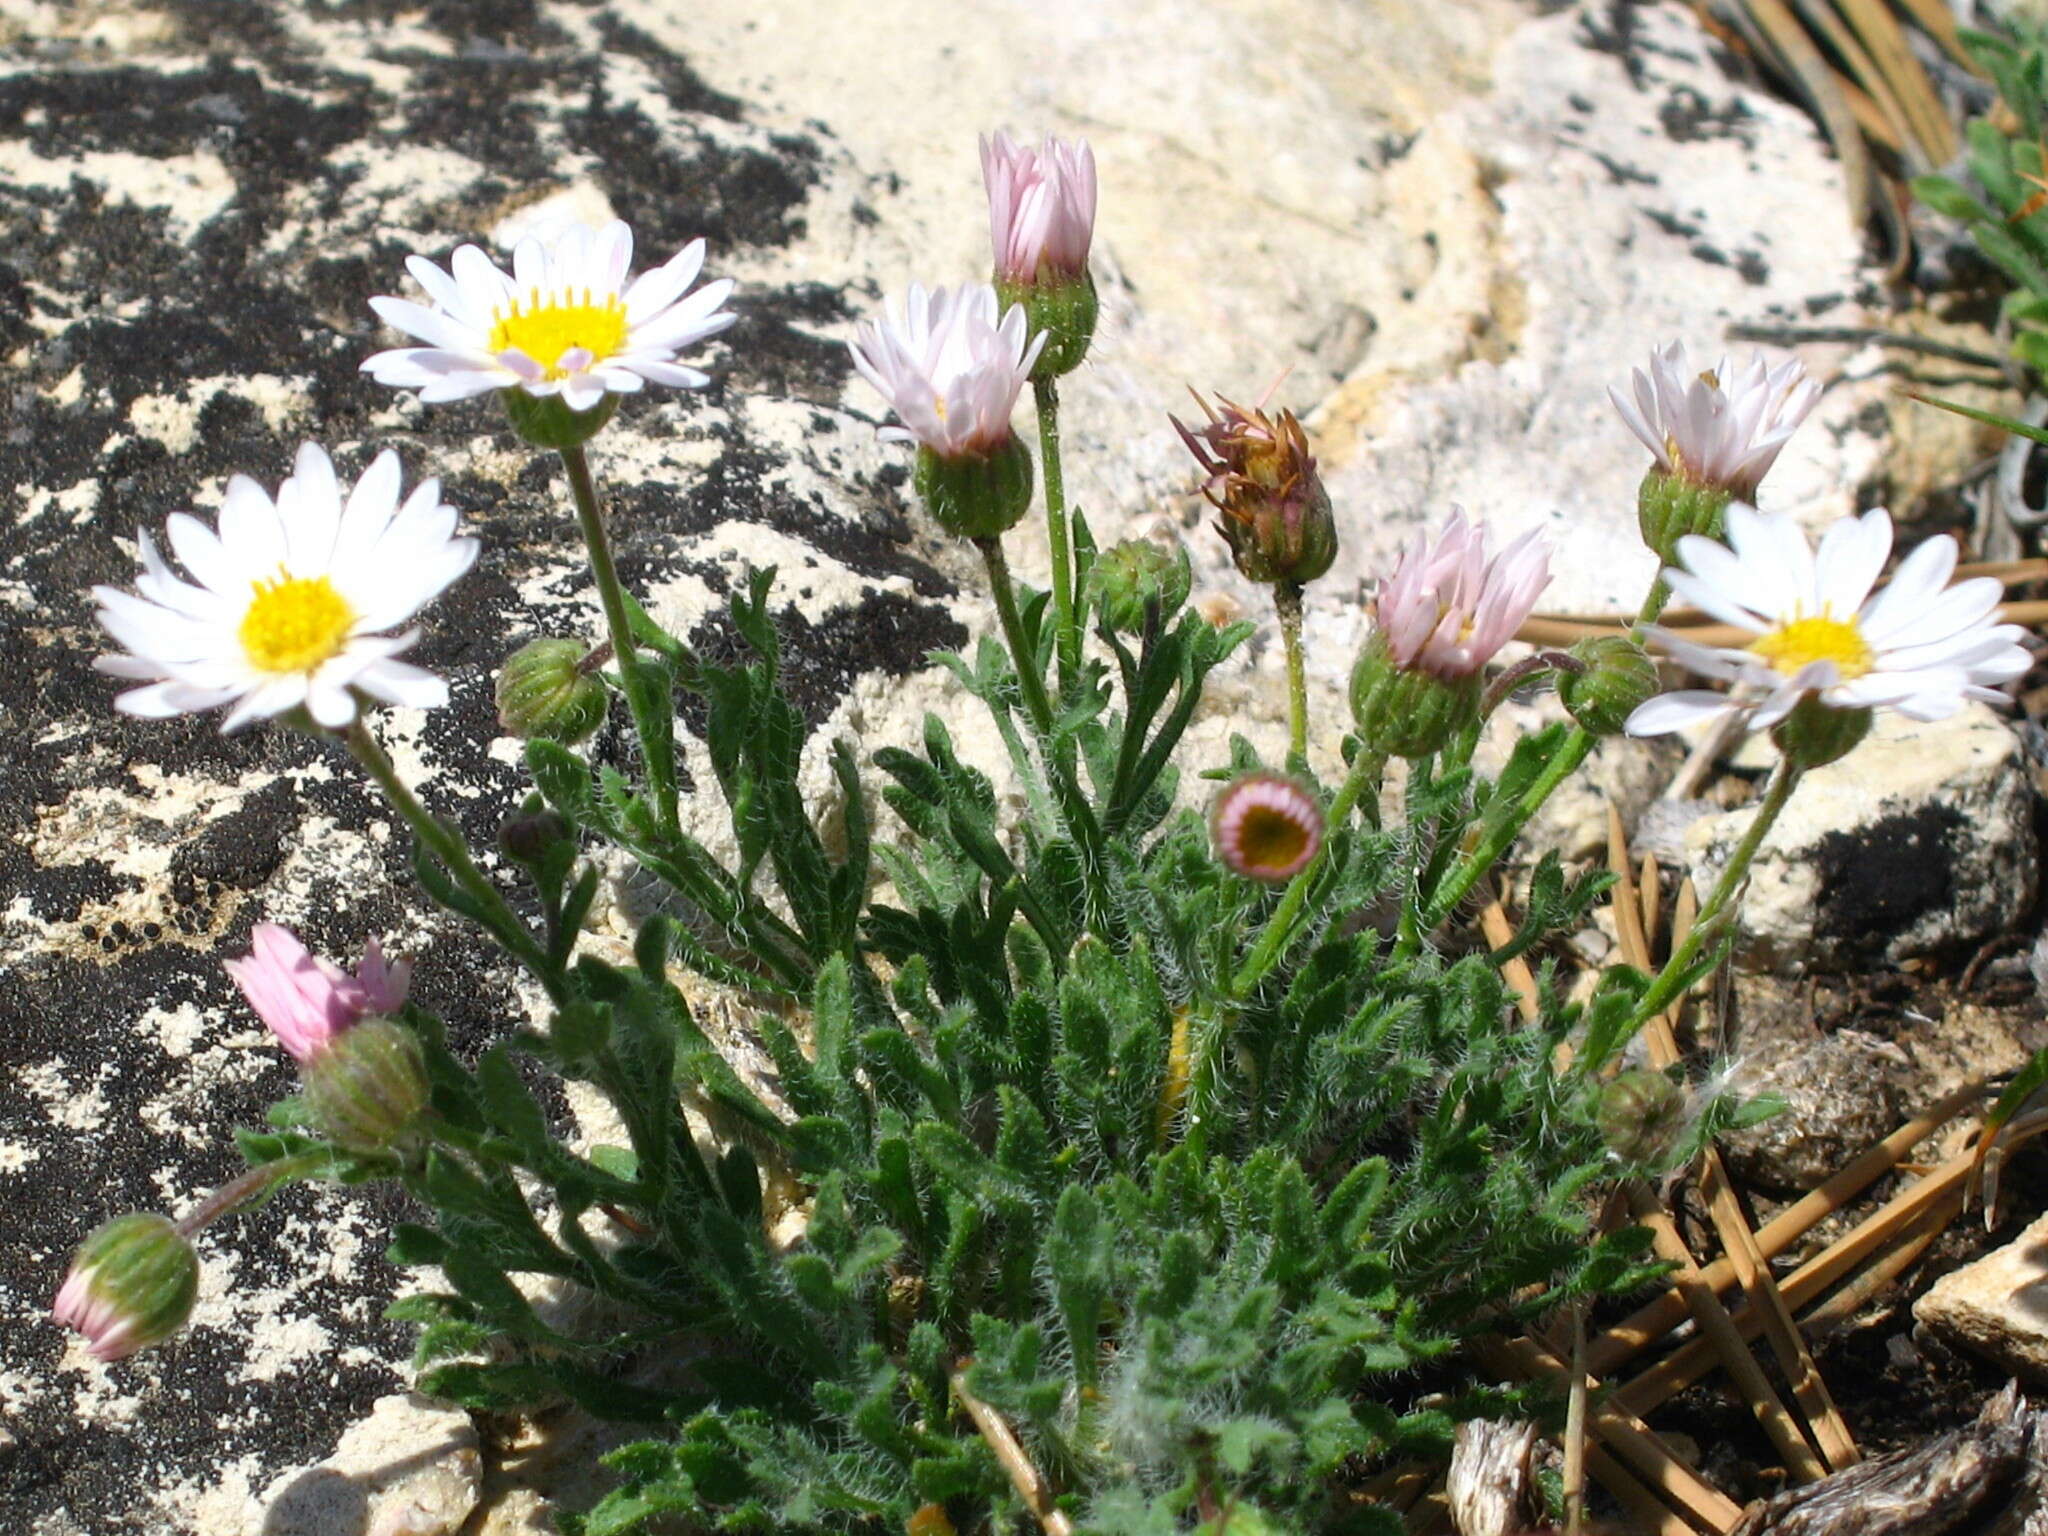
[
  {"x": 1998, "y": 1306},
  {"x": 1919, "y": 841},
  {"x": 520, "y": 1512}
]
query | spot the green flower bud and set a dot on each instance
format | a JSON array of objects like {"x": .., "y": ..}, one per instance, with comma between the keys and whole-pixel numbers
[
  {"x": 1619, "y": 677},
  {"x": 1136, "y": 583},
  {"x": 545, "y": 422},
  {"x": 365, "y": 1089},
  {"x": 528, "y": 836},
  {"x": 546, "y": 690},
  {"x": 1064, "y": 309},
  {"x": 1668, "y": 507},
  {"x": 1816, "y": 734},
  {"x": 1641, "y": 1114},
  {"x": 1406, "y": 713},
  {"x": 131, "y": 1285},
  {"x": 976, "y": 496}
]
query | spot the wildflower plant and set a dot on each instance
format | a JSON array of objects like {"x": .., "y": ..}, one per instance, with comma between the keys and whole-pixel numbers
[{"x": 1117, "y": 1164}]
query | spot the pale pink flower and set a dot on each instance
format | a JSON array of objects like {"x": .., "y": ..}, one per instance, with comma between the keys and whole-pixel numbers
[
  {"x": 1041, "y": 206},
  {"x": 1918, "y": 645},
  {"x": 307, "y": 1001},
  {"x": 1448, "y": 607},
  {"x": 949, "y": 368},
  {"x": 107, "y": 1329},
  {"x": 1723, "y": 427},
  {"x": 1266, "y": 827}
]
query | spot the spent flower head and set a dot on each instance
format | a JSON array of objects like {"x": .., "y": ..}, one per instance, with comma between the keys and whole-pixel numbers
[
  {"x": 1266, "y": 827},
  {"x": 306, "y": 1000},
  {"x": 564, "y": 322},
  {"x": 1918, "y": 646},
  {"x": 290, "y": 600},
  {"x": 1259, "y": 474},
  {"x": 951, "y": 366},
  {"x": 1449, "y": 605},
  {"x": 1041, "y": 207},
  {"x": 1721, "y": 427}
]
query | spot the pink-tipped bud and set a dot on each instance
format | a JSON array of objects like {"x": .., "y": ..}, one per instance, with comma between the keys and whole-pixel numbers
[
  {"x": 1041, "y": 207},
  {"x": 131, "y": 1285},
  {"x": 1266, "y": 827},
  {"x": 307, "y": 1001}
]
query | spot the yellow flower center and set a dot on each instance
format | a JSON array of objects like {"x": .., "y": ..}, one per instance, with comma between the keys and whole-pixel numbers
[
  {"x": 546, "y": 327},
  {"x": 1270, "y": 839},
  {"x": 1800, "y": 643},
  {"x": 295, "y": 624}
]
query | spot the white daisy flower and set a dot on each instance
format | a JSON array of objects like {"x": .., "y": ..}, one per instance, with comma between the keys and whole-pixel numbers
[
  {"x": 1919, "y": 646},
  {"x": 288, "y": 603},
  {"x": 1724, "y": 427},
  {"x": 565, "y": 322},
  {"x": 948, "y": 367}
]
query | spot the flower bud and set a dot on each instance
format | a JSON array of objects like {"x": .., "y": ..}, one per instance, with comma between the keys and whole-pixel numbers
[
  {"x": 528, "y": 836},
  {"x": 1241, "y": 1517},
  {"x": 1816, "y": 734},
  {"x": 1135, "y": 584},
  {"x": 1670, "y": 506},
  {"x": 366, "y": 1090},
  {"x": 1641, "y": 1114},
  {"x": 1619, "y": 676},
  {"x": 546, "y": 691},
  {"x": 547, "y": 422},
  {"x": 1266, "y": 827},
  {"x": 131, "y": 1285},
  {"x": 1405, "y": 712},
  {"x": 976, "y": 495},
  {"x": 1262, "y": 478},
  {"x": 1063, "y": 310}
]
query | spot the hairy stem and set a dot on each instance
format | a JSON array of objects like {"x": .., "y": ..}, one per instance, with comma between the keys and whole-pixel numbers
[
  {"x": 1287, "y": 600},
  {"x": 253, "y": 1185},
  {"x": 1066, "y": 630}
]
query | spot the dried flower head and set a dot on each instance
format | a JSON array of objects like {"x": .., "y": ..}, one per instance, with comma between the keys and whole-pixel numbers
[
  {"x": 1722, "y": 427},
  {"x": 290, "y": 599},
  {"x": 1260, "y": 475},
  {"x": 1266, "y": 827},
  {"x": 1918, "y": 646},
  {"x": 1449, "y": 606}
]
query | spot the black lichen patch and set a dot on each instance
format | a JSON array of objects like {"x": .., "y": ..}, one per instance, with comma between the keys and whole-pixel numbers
[
  {"x": 1687, "y": 117},
  {"x": 1879, "y": 882},
  {"x": 57, "y": 893}
]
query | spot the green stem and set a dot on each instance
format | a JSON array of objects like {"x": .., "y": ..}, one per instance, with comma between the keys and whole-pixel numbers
[
  {"x": 654, "y": 732},
  {"x": 445, "y": 844},
  {"x": 1287, "y": 600},
  {"x": 1365, "y": 774},
  {"x": 1671, "y": 980},
  {"x": 1066, "y": 630},
  {"x": 253, "y": 1185}
]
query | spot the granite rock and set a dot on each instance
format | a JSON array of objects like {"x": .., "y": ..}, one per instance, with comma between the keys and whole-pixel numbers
[{"x": 1998, "y": 1306}]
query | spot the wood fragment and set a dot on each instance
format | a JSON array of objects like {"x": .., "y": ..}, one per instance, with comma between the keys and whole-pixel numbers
[
  {"x": 1930, "y": 1489},
  {"x": 1488, "y": 1484}
]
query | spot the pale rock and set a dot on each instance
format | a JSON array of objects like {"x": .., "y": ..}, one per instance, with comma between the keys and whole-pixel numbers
[
  {"x": 412, "y": 1468},
  {"x": 1621, "y": 773},
  {"x": 1998, "y": 1306},
  {"x": 1920, "y": 840},
  {"x": 520, "y": 1512}
]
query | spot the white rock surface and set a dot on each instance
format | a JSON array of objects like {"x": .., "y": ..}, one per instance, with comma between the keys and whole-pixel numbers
[
  {"x": 412, "y": 1468},
  {"x": 1919, "y": 840},
  {"x": 1998, "y": 1306}
]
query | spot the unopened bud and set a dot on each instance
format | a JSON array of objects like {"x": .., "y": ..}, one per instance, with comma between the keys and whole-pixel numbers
[
  {"x": 1063, "y": 308},
  {"x": 546, "y": 691},
  {"x": 1670, "y": 506},
  {"x": 1240, "y": 1517},
  {"x": 1619, "y": 678},
  {"x": 131, "y": 1285},
  {"x": 528, "y": 836},
  {"x": 547, "y": 422},
  {"x": 1405, "y": 712},
  {"x": 366, "y": 1090},
  {"x": 1136, "y": 584},
  {"x": 1641, "y": 1116},
  {"x": 976, "y": 495},
  {"x": 1816, "y": 734}
]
